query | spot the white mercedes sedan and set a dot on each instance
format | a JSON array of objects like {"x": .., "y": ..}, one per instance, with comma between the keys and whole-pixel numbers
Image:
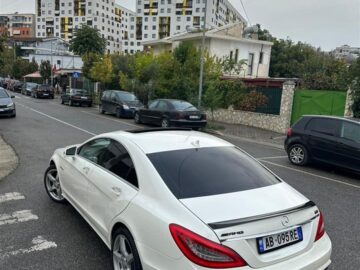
[{"x": 184, "y": 200}]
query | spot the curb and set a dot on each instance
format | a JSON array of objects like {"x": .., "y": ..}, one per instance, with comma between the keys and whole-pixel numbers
[{"x": 8, "y": 159}]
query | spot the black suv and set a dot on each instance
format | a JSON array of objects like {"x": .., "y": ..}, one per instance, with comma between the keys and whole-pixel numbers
[
  {"x": 333, "y": 140},
  {"x": 120, "y": 103}
]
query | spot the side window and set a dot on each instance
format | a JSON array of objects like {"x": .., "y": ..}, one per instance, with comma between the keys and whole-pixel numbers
[
  {"x": 350, "y": 131},
  {"x": 162, "y": 106},
  {"x": 153, "y": 104},
  {"x": 106, "y": 95},
  {"x": 113, "y": 96},
  {"x": 324, "y": 126},
  {"x": 117, "y": 160},
  {"x": 93, "y": 150}
]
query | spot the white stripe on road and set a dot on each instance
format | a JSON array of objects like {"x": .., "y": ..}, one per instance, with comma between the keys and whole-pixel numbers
[
  {"x": 17, "y": 217},
  {"x": 312, "y": 174},
  {"x": 39, "y": 243},
  {"x": 13, "y": 196},
  {"x": 115, "y": 120},
  {"x": 58, "y": 120},
  {"x": 276, "y": 157}
]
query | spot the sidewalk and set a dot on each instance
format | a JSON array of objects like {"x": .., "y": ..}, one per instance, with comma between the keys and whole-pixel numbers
[
  {"x": 8, "y": 159},
  {"x": 248, "y": 133}
]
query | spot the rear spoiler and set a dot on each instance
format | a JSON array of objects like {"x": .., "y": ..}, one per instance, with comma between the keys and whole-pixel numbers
[{"x": 230, "y": 223}]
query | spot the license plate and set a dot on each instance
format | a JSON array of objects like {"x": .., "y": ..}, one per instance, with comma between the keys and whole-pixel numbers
[
  {"x": 83, "y": 97},
  {"x": 46, "y": 94},
  {"x": 194, "y": 117},
  {"x": 279, "y": 240}
]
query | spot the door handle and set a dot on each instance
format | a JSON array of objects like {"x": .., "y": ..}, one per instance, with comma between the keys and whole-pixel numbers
[{"x": 116, "y": 190}]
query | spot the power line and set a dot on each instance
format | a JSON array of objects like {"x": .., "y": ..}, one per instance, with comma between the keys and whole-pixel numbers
[{"x": 247, "y": 17}]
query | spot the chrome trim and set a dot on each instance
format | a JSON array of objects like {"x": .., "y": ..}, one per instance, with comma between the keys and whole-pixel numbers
[{"x": 229, "y": 223}]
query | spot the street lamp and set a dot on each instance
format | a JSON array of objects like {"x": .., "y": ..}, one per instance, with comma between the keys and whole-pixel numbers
[{"x": 202, "y": 60}]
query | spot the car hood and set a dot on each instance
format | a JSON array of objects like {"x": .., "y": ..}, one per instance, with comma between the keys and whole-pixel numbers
[
  {"x": 245, "y": 204},
  {"x": 5, "y": 101},
  {"x": 136, "y": 104}
]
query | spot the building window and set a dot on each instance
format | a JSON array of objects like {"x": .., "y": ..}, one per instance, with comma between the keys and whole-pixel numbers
[
  {"x": 261, "y": 58},
  {"x": 250, "y": 64}
]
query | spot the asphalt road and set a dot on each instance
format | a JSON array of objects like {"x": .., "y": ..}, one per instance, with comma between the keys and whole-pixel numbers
[{"x": 52, "y": 236}]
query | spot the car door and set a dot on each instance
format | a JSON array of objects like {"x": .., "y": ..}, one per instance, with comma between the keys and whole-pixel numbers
[
  {"x": 162, "y": 108},
  {"x": 322, "y": 139},
  {"x": 147, "y": 115},
  {"x": 349, "y": 145},
  {"x": 105, "y": 101},
  {"x": 111, "y": 186},
  {"x": 112, "y": 102}
]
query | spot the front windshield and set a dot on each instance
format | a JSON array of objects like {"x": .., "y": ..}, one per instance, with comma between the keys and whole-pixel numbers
[
  {"x": 3, "y": 94},
  {"x": 31, "y": 84},
  {"x": 127, "y": 97}
]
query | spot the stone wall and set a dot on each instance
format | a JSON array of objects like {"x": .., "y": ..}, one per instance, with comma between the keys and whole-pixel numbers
[
  {"x": 278, "y": 123},
  {"x": 348, "y": 104}
]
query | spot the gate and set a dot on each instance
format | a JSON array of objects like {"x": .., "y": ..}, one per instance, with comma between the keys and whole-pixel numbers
[{"x": 318, "y": 103}]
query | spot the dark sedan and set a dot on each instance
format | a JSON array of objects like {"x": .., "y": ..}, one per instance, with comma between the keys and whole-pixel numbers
[
  {"x": 171, "y": 113},
  {"x": 43, "y": 91},
  {"x": 328, "y": 139},
  {"x": 27, "y": 88},
  {"x": 7, "y": 106},
  {"x": 17, "y": 86},
  {"x": 76, "y": 97}
]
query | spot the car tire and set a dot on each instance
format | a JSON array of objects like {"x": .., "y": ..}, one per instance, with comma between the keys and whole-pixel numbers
[
  {"x": 165, "y": 123},
  {"x": 52, "y": 184},
  {"x": 298, "y": 155},
  {"x": 124, "y": 252},
  {"x": 137, "y": 118}
]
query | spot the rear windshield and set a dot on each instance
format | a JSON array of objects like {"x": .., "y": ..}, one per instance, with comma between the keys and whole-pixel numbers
[
  {"x": 46, "y": 87},
  {"x": 79, "y": 92},
  {"x": 182, "y": 105},
  {"x": 3, "y": 94},
  {"x": 210, "y": 171}
]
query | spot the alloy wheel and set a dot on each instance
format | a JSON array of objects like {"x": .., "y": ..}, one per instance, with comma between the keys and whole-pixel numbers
[
  {"x": 123, "y": 257},
  {"x": 52, "y": 183},
  {"x": 297, "y": 155},
  {"x": 165, "y": 123}
]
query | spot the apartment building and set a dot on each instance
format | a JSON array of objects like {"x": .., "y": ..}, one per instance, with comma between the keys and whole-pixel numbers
[
  {"x": 61, "y": 18},
  {"x": 158, "y": 19},
  {"x": 17, "y": 26}
]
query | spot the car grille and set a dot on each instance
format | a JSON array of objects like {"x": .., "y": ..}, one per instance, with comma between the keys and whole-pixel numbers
[{"x": 3, "y": 106}]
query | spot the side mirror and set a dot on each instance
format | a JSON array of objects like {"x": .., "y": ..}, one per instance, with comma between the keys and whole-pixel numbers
[
  {"x": 12, "y": 96},
  {"x": 71, "y": 151}
]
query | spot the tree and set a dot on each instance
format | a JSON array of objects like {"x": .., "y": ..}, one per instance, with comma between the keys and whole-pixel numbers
[
  {"x": 230, "y": 66},
  {"x": 87, "y": 40},
  {"x": 251, "y": 101},
  {"x": 89, "y": 59},
  {"x": 45, "y": 70},
  {"x": 23, "y": 67},
  {"x": 102, "y": 70}
]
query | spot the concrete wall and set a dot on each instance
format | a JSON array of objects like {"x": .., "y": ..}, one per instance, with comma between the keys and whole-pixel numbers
[{"x": 278, "y": 123}]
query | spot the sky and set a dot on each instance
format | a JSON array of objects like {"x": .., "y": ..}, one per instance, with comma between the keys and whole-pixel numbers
[{"x": 321, "y": 23}]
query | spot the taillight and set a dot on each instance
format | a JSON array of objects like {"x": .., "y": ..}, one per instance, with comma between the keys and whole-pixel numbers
[
  {"x": 289, "y": 132},
  {"x": 204, "y": 252},
  {"x": 321, "y": 228}
]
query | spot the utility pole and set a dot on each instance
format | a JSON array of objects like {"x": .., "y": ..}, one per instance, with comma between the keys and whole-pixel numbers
[
  {"x": 52, "y": 75},
  {"x": 202, "y": 60}
]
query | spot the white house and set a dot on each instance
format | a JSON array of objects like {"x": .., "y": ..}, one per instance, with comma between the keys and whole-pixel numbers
[{"x": 225, "y": 42}]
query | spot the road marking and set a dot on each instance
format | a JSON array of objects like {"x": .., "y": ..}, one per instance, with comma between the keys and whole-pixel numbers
[
  {"x": 39, "y": 243},
  {"x": 107, "y": 118},
  {"x": 276, "y": 157},
  {"x": 17, "y": 217},
  {"x": 58, "y": 120},
  {"x": 312, "y": 174},
  {"x": 13, "y": 196}
]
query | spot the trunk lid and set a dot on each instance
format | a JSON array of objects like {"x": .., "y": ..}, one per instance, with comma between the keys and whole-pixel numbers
[{"x": 239, "y": 218}]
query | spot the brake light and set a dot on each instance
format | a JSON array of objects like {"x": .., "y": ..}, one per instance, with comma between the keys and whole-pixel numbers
[
  {"x": 204, "y": 252},
  {"x": 321, "y": 228},
  {"x": 289, "y": 132}
]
